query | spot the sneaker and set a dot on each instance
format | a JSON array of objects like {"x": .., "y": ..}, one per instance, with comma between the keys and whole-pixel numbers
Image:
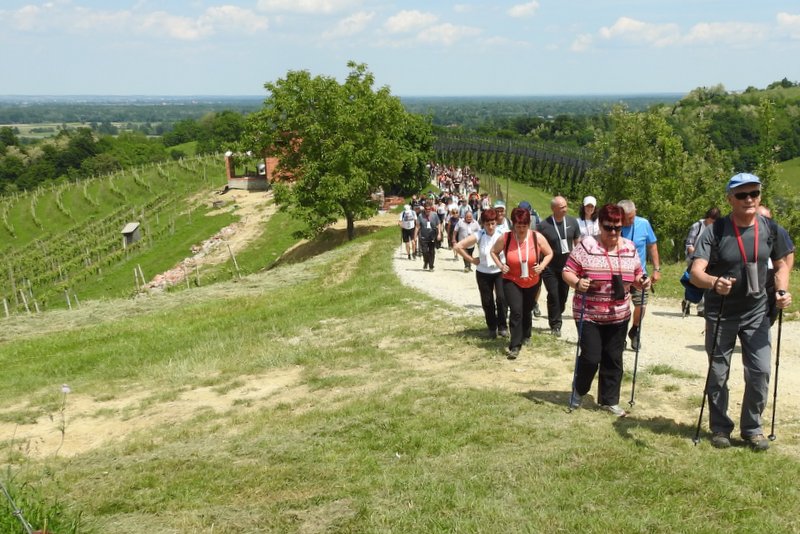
[
  {"x": 575, "y": 400},
  {"x": 633, "y": 333},
  {"x": 721, "y": 440},
  {"x": 615, "y": 410},
  {"x": 512, "y": 354},
  {"x": 685, "y": 307},
  {"x": 556, "y": 332},
  {"x": 757, "y": 442},
  {"x": 409, "y": 256},
  {"x": 502, "y": 332},
  {"x": 536, "y": 311},
  {"x": 467, "y": 269}
]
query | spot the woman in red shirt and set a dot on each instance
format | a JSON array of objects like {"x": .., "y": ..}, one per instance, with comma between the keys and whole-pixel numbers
[
  {"x": 602, "y": 271},
  {"x": 527, "y": 253}
]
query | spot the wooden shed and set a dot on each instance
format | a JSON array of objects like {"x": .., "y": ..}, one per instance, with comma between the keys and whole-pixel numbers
[{"x": 131, "y": 233}]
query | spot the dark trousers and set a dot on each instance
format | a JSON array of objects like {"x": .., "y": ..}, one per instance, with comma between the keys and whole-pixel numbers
[
  {"x": 557, "y": 293},
  {"x": 520, "y": 306},
  {"x": 493, "y": 302},
  {"x": 468, "y": 264},
  {"x": 428, "y": 253},
  {"x": 601, "y": 346}
]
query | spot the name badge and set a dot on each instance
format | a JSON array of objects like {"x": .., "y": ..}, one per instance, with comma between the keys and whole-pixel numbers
[{"x": 564, "y": 246}]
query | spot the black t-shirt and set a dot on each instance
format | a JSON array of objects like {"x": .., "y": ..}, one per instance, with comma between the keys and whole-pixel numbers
[{"x": 554, "y": 232}]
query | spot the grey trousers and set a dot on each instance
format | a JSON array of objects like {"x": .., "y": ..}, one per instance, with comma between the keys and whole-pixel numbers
[{"x": 753, "y": 333}]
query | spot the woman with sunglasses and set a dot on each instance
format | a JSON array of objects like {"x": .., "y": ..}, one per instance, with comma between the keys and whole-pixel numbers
[
  {"x": 602, "y": 271},
  {"x": 527, "y": 253}
]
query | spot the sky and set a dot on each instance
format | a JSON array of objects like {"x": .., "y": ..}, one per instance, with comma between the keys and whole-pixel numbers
[{"x": 416, "y": 48}]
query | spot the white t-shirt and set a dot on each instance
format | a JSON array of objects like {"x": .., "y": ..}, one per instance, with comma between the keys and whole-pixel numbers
[
  {"x": 485, "y": 244},
  {"x": 408, "y": 220}
]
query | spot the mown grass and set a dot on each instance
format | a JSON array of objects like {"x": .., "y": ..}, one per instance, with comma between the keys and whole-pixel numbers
[
  {"x": 381, "y": 433},
  {"x": 790, "y": 175}
]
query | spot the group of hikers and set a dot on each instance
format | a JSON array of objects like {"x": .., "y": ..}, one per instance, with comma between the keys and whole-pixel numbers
[{"x": 740, "y": 264}]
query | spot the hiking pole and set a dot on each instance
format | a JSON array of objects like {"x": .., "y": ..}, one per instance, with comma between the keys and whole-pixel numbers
[
  {"x": 638, "y": 345},
  {"x": 696, "y": 439},
  {"x": 578, "y": 347},
  {"x": 16, "y": 512},
  {"x": 772, "y": 436}
]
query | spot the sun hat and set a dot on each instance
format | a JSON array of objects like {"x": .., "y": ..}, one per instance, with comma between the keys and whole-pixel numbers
[
  {"x": 589, "y": 200},
  {"x": 741, "y": 179}
]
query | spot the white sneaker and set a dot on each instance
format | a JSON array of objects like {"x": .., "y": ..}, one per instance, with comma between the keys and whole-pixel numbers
[{"x": 615, "y": 410}]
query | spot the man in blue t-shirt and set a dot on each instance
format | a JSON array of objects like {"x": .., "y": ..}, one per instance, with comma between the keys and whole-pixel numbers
[{"x": 638, "y": 230}]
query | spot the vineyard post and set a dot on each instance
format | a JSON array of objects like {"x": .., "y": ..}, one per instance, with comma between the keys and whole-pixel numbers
[
  {"x": 77, "y": 302},
  {"x": 235, "y": 264},
  {"x": 66, "y": 296},
  {"x": 185, "y": 275},
  {"x": 5, "y": 307},
  {"x": 141, "y": 274},
  {"x": 24, "y": 300},
  {"x": 136, "y": 278},
  {"x": 197, "y": 273},
  {"x": 13, "y": 284},
  {"x": 36, "y": 306}
]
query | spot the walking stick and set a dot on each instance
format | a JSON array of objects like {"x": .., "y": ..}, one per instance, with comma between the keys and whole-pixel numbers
[
  {"x": 696, "y": 439},
  {"x": 772, "y": 436},
  {"x": 578, "y": 347},
  {"x": 638, "y": 344}
]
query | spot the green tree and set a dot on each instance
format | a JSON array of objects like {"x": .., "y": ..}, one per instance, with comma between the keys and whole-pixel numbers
[{"x": 341, "y": 142}]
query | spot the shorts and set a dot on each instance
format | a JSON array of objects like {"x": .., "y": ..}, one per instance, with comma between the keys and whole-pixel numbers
[
  {"x": 636, "y": 296},
  {"x": 408, "y": 235}
]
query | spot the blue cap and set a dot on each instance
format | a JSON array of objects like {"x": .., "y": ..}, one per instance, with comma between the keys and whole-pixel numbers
[
  {"x": 740, "y": 179},
  {"x": 525, "y": 205}
]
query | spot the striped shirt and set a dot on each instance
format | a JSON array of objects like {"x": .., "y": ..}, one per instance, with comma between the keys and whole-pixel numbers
[{"x": 590, "y": 259}]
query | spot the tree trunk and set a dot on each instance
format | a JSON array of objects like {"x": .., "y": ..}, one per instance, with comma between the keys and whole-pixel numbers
[{"x": 351, "y": 227}]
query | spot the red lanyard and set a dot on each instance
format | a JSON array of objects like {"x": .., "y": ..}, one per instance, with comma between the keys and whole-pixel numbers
[
  {"x": 619, "y": 262},
  {"x": 741, "y": 245}
]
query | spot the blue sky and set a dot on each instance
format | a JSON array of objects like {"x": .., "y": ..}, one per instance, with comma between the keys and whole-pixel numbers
[{"x": 518, "y": 47}]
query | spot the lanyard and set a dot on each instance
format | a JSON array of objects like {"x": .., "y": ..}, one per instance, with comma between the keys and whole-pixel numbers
[
  {"x": 619, "y": 261},
  {"x": 527, "y": 248},
  {"x": 741, "y": 244},
  {"x": 555, "y": 226}
]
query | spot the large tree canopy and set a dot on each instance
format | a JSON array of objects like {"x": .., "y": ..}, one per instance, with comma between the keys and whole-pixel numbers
[{"x": 340, "y": 142}]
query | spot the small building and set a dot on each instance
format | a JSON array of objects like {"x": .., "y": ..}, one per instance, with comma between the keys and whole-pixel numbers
[
  {"x": 257, "y": 179},
  {"x": 131, "y": 233}
]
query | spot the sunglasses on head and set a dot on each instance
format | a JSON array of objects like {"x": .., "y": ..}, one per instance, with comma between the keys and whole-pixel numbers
[
  {"x": 744, "y": 194},
  {"x": 612, "y": 228}
]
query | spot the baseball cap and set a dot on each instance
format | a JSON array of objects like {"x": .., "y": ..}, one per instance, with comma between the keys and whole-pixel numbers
[
  {"x": 741, "y": 179},
  {"x": 499, "y": 204},
  {"x": 525, "y": 205},
  {"x": 589, "y": 200}
]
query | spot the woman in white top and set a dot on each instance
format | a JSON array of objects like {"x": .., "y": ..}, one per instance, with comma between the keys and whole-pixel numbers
[
  {"x": 487, "y": 273},
  {"x": 588, "y": 218}
]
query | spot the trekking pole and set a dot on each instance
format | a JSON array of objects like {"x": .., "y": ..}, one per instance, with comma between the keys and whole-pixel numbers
[
  {"x": 696, "y": 439},
  {"x": 638, "y": 345},
  {"x": 578, "y": 347},
  {"x": 16, "y": 512},
  {"x": 772, "y": 436}
]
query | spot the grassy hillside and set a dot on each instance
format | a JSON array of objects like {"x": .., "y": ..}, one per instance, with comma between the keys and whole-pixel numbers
[
  {"x": 324, "y": 396},
  {"x": 790, "y": 175}
]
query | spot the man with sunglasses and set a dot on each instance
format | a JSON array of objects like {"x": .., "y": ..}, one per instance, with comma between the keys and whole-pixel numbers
[{"x": 733, "y": 270}]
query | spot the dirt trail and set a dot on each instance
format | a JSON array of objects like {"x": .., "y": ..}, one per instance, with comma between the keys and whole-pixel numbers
[{"x": 668, "y": 339}]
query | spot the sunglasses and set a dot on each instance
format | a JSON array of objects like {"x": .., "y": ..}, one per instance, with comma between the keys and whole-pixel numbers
[
  {"x": 744, "y": 194},
  {"x": 612, "y": 228}
]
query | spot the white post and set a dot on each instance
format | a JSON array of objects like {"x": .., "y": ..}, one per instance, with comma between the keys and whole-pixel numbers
[
  {"x": 136, "y": 278},
  {"x": 77, "y": 302},
  {"x": 66, "y": 296},
  {"x": 5, "y": 307},
  {"x": 235, "y": 264},
  {"x": 24, "y": 300}
]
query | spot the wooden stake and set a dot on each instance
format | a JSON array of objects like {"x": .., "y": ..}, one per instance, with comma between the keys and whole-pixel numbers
[
  {"x": 235, "y": 264},
  {"x": 185, "y": 275},
  {"x": 24, "y": 300},
  {"x": 5, "y": 307},
  {"x": 77, "y": 302},
  {"x": 136, "y": 278},
  {"x": 36, "y": 306},
  {"x": 142, "y": 275},
  {"x": 197, "y": 273},
  {"x": 66, "y": 296}
]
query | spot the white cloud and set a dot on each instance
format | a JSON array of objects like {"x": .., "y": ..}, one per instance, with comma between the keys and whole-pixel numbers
[
  {"x": 636, "y": 31},
  {"x": 790, "y": 24},
  {"x": 306, "y": 6},
  {"x": 181, "y": 28},
  {"x": 462, "y": 8},
  {"x": 582, "y": 43},
  {"x": 351, "y": 25},
  {"x": 447, "y": 34},
  {"x": 408, "y": 21},
  {"x": 729, "y": 33},
  {"x": 524, "y": 10}
]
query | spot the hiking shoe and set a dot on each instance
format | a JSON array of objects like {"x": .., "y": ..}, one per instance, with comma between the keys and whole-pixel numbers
[
  {"x": 686, "y": 307},
  {"x": 526, "y": 341},
  {"x": 614, "y": 409},
  {"x": 757, "y": 442},
  {"x": 721, "y": 440},
  {"x": 502, "y": 332},
  {"x": 409, "y": 256},
  {"x": 633, "y": 333},
  {"x": 492, "y": 334},
  {"x": 575, "y": 400},
  {"x": 556, "y": 332},
  {"x": 512, "y": 354},
  {"x": 536, "y": 311}
]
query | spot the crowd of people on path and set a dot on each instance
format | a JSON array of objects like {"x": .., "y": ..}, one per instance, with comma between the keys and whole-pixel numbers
[{"x": 739, "y": 264}]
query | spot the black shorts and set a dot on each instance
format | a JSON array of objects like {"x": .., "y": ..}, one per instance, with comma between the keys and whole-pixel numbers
[{"x": 408, "y": 235}]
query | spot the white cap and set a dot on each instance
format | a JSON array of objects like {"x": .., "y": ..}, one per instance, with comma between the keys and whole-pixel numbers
[{"x": 589, "y": 200}]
